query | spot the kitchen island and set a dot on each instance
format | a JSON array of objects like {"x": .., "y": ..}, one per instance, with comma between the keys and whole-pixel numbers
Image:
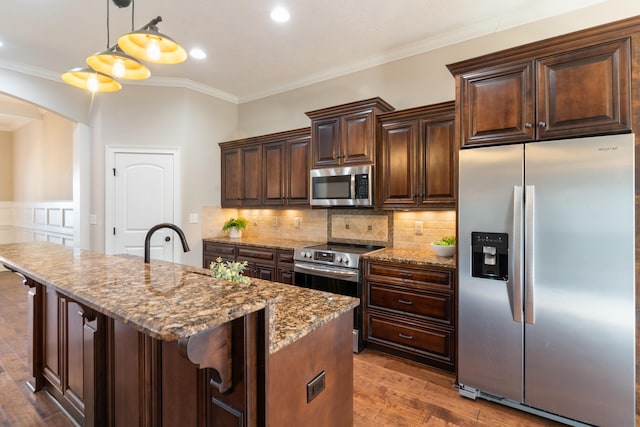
[{"x": 120, "y": 342}]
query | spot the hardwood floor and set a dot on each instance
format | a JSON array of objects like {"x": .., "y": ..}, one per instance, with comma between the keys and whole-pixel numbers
[{"x": 387, "y": 391}]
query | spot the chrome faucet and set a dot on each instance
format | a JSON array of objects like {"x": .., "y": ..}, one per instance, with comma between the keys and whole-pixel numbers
[{"x": 147, "y": 239}]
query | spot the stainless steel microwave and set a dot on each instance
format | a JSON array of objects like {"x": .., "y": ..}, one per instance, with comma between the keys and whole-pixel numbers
[{"x": 342, "y": 186}]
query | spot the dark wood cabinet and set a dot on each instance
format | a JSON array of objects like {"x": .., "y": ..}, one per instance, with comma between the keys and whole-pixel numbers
[
  {"x": 212, "y": 251},
  {"x": 286, "y": 167},
  {"x": 417, "y": 158},
  {"x": 266, "y": 171},
  {"x": 240, "y": 169},
  {"x": 275, "y": 265},
  {"x": 345, "y": 134},
  {"x": 261, "y": 262},
  {"x": 73, "y": 347},
  {"x": 284, "y": 261},
  {"x": 410, "y": 311},
  {"x": 559, "y": 88}
]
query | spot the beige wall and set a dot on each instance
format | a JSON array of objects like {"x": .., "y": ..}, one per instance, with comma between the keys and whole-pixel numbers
[
  {"x": 146, "y": 116},
  {"x": 43, "y": 160},
  {"x": 6, "y": 166}
]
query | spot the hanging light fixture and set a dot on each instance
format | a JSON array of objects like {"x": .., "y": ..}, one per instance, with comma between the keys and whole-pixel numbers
[
  {"x": 90, "y": 79},
  {"x": 151, "y": 45},
  {"x": 119, "y": 61},
  {"x": 114, "y": 62}
]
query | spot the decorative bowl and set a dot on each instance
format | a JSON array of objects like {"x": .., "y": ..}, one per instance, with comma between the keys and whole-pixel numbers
[{"x": 444, "y": 251}]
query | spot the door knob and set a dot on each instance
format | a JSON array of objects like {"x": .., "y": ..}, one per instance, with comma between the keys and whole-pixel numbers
[{"x": 166, "y": 239}]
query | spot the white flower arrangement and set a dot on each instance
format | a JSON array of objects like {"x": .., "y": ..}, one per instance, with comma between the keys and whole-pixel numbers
[{"x": 230, "y": 271}]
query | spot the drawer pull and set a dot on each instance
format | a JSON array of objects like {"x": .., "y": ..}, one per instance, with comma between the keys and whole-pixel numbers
[
  {"x": 405, "y": 302},
  {"x": 406, "y": 337},
  {"x": 405, "y": 274}
]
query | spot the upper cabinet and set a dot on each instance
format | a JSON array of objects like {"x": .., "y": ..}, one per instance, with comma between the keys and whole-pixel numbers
[
  {"x": 573, "y": 85},
  {"x": 416, "y": 158},
  {"x": 240, "y": 171},
  {"x": 345, "y": 134},
  {"x": 286, "y": 171},
  {"x": 270, "y": 170}
]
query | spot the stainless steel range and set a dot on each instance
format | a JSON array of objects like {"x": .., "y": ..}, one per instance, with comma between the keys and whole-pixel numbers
[{"x": 336, "y": 268}]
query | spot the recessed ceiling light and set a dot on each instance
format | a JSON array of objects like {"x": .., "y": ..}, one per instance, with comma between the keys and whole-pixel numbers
[
  {"x": 197, "y": 53},
  {"x": 280, "y": 14}
]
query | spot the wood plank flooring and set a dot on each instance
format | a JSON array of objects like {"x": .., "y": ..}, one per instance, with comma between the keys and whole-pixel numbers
[{"x": 388, "y": 391}]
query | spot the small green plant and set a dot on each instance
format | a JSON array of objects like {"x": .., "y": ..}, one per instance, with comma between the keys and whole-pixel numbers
[
  {"x": 446, "y": 241},
  {"x": 230, "y": 271},
  {"x": 239, "y": 223}
]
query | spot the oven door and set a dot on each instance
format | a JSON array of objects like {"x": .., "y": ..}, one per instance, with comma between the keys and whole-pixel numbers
[{"x": 342, "y": 281}]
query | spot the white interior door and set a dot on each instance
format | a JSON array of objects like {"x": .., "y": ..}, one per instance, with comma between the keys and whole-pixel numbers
[{"x": 143, "y": 195}]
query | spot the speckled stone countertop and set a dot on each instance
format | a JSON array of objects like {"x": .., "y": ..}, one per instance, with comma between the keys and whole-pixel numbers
[
  {"x": 170, "y": 301},
  {"x": 425, "y": 257},
  {"x": 265, "y": 243}
]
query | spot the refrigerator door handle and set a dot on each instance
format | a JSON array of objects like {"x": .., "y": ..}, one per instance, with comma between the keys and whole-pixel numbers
[
  {"x": 518, "y": 253},
  {"x": 529, "y": 238}
]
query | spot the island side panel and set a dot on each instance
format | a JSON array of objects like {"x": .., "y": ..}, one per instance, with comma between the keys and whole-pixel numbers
[{"x": 328, "y": 350}]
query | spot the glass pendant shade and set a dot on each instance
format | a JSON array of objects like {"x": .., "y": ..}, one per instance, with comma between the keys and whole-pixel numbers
[
  {"x": 116, "y": 63},
  {"x": 90, "y": 79},
  {"x": 148, "y": 44}
]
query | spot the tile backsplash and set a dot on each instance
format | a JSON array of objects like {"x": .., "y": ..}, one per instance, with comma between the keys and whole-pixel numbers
[{"x": 407, "y": 229}]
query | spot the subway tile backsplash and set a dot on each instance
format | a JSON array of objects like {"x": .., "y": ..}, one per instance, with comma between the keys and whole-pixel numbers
[{"x": 406, "y": 230}]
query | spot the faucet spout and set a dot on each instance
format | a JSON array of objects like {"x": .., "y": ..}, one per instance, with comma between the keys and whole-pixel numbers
[{"x": 147, "y": 239}]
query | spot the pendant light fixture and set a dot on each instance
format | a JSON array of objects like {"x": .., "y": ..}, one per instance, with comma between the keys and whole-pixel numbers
[
  {"x": 151, "y": 45},
  {"x": 114, "y": 62},
  {"x": 122, "y": 62},
  {"x": 90, "y": 79}
]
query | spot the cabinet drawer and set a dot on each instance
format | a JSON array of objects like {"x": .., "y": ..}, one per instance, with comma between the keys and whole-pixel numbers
[
  {"x": 258, "y": 254},
  {"x": 413, "y": 337},
  {"x": 433, "y": 306},
  {"x": 221, "y": 249},
  {"x": 430, "y": 276},
  {"x": 285, "y": 257}
]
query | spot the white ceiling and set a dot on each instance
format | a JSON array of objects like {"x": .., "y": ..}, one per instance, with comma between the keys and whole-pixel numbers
[{"x": 250, "y": 56}]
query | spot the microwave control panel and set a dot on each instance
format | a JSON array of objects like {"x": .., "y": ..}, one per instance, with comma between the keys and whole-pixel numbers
[{"x": 362, "y": 186}]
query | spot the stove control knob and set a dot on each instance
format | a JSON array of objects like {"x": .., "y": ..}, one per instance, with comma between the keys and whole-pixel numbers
[
  {"x": 345, "y": 260},
  {"x": 307, "y": 255},
  {"x": 339, "y": 259}
]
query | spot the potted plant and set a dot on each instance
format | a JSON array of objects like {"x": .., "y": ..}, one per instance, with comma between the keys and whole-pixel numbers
[
  {"x": 445, "y": 247},
  {"x": 235, "y": 227}
]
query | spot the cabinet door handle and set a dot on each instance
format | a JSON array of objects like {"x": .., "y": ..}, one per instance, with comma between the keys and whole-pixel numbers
[
  {"x": 406, "y": 337},
  {"x": 81, "y": 313},
  {"x": 542, "y": 124},
  {"x": 528, "y": 125},
  {"x": 405, "y": 302},
  {"x": 405, "y": 274}
]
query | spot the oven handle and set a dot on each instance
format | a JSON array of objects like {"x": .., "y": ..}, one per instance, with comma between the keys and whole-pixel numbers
[{"x": 351, "y": 276}]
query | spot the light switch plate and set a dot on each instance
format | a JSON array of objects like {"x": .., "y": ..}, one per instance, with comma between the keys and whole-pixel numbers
[{"x": 193, "y": 218}]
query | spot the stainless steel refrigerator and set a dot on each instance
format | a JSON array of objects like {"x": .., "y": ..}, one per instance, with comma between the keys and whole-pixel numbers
[{"x": 546, "y": 265}]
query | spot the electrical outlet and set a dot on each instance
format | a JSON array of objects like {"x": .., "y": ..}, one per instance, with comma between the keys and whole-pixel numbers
[
  {"x": 369, "y": 227},
  {"x": 297, "y": 222},
  {"x": 346, "y": 226},
  {"x": 275, "y": 221},
  {"x": 418, "y": 228},
  {"x": 315, "y": 386},
  {"x": 193, "y": 218}
]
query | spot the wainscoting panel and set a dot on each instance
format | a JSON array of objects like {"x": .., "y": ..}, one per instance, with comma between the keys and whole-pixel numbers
[{"x": 37, "y": 222}]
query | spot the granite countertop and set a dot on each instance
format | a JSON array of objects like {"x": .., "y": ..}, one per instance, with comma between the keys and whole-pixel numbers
[
  {"x": 423, "y": 257},
  {"x": 171, "y": 301},
  {"x": 286, "y": 244}
]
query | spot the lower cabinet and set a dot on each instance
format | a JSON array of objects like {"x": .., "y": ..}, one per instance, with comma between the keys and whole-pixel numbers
[
  {"x": 409, "y": 311},
  {"x": 275, "y": 265},
  {"x": 73, "y": 342}
]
